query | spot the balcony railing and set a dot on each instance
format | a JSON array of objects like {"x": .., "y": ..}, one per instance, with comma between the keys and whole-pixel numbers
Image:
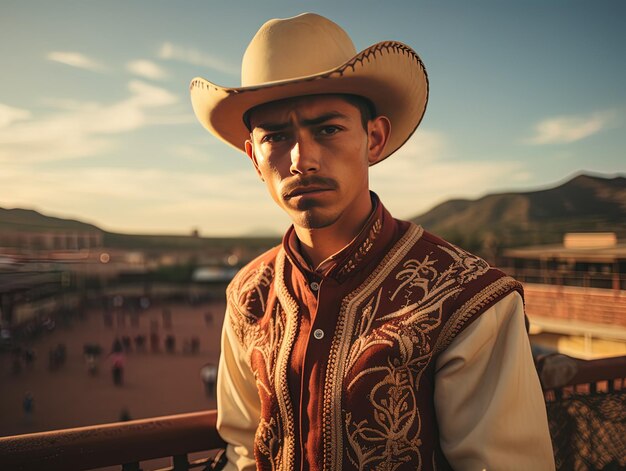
[
  {"x": 126, "y": 444},
  {"x": 564, "y": 277},
  {"x": 585, "y": 402},
  {"x": 587, "y": 394}
]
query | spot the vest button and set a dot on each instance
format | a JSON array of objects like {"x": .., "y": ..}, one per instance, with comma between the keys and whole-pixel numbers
[
  {"x": 318, "y": 334},
  {"x": 315, "y": 286}
]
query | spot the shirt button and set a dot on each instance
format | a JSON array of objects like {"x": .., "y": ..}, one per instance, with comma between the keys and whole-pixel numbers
[
  {"x": 318, "y": 334},
  {"x": 315, "y": 286}
]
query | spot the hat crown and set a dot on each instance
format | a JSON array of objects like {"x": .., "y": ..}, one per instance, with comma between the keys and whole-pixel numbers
[{"x": 286, "y": 49}]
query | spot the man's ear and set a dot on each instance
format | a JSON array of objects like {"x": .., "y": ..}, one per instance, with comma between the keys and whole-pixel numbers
[
  {"x": 249, "y": 145},
  {"x": 378, "y": 132}
]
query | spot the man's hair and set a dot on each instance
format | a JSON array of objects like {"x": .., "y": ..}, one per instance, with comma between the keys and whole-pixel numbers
[{"x": 365, "y": 107}]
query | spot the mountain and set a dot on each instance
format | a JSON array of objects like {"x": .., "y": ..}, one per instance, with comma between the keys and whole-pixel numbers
[
  {"x": 28, "y": 220},
  {"x": 585, "y": 203}
]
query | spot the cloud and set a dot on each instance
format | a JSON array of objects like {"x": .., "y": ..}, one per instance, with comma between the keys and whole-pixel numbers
[
  {"x": 83, "y": 129},
  {"x": 75, "y": 59},
  {"x": 146, "y": 69},
  {"x": 170, "y": 51},
  {"x": 424, "y": 145},
  {"x": 190, "y": 153},
  {"x": 9, "y": 115},
  {"x": 422, "y": 174},
  {"x": 148, "y": 95},
  {"x": 566, "y": 129}
]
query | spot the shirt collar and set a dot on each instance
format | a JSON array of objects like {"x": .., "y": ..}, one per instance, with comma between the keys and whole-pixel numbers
[{"x": 369, "y": 242}]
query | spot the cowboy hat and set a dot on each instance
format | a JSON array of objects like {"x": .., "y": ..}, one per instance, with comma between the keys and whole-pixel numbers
[{"x": 309, "y": 55}]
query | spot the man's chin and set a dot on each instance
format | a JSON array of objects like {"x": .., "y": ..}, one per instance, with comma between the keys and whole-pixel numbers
[{"x": 312, "y": 219}]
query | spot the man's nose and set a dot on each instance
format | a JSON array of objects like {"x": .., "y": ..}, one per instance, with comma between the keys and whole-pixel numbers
[{"x": 305, "y": 156}]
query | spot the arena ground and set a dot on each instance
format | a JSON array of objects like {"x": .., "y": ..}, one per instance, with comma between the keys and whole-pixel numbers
[{"x": 155, "y": 383}]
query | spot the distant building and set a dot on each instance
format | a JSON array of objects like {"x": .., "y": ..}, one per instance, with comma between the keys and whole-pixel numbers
[
  {"x": 593, "y": 260},
  {"x": 51, "y": 240},
  {"x": 575, "y": 293}
]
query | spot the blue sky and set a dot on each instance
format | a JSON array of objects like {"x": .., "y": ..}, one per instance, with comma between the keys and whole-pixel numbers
[{"x": 96, "y": 123}]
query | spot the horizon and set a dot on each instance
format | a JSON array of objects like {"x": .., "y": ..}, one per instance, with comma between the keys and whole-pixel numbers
[
  {"x": 260, "y": 234},
  {"x": 96, "y": 123}
]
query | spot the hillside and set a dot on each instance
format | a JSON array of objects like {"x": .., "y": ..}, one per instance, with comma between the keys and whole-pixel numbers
[
  {"x": 28, "y": 220},
  {"x": 584, "y": 203},
  {"x": 31, "y": 221}
]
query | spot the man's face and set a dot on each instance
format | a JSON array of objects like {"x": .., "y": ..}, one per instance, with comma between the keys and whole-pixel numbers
[{"x": 313, "y": 154}]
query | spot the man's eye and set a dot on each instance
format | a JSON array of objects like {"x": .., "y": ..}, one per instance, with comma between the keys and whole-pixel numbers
[
  {"x": 329, "y": 130},
  {"x": 274, "y": 137}
]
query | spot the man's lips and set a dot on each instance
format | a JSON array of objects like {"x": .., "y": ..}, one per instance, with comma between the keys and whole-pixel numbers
[
  {"x": 305, "y": 190},
  {"x": 307, "y": 185}
]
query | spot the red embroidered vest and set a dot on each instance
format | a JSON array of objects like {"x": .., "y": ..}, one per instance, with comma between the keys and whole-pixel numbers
[{"x": 350, "y": 384}]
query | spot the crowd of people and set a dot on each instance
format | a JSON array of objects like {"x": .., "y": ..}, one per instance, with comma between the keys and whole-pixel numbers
[{"x": 133, "y": 329}]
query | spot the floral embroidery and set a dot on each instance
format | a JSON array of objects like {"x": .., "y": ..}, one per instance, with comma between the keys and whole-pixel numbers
[
  {"x": 424, "y": 276},
  {"x": 364, "y": 339},
  {"x": 265, "y": 336},
  {"x": 268, "y": 439},
  {"x": 416, "y": 275},
  {"x": 390, "y": 435},
  {"x": 363, "y": 249},
  {"x": 252, "y": 289},
  {"x": 333, "y": 435},
  {"x": 393, "y": 439},
  {"x": 466, "y": 267}
]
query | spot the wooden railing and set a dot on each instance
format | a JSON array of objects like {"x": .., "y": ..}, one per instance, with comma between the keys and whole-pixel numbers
[
  {"x": 582, "y": 376},
  {"x": 126, "y": 444},
  {"x": 585, "y": 402},
  {"x": 560, "y": 277}
]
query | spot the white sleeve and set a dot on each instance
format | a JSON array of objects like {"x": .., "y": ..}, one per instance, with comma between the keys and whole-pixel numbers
[
  {"x": 238, "y": 404},
  {"x": 489, "y": 404}
]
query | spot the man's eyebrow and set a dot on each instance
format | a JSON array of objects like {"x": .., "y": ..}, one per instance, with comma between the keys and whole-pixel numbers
[
  {"x": 273, "y": 126},
  {"x": 268, "y": 126},
  {"x": 323, "y": 118}
]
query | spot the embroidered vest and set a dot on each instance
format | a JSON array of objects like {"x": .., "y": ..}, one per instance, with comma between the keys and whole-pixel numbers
[{"x": 377, "y": 383}]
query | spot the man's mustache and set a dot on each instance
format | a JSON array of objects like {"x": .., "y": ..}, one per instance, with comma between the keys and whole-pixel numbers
[{"x": 299, "y": 182}]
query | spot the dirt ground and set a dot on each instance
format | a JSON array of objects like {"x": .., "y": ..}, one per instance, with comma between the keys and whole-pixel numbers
[{"x": 155, "y": 384}]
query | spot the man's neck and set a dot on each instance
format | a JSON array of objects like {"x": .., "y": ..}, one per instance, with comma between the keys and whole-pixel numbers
[{"x": 319, "y": 244}]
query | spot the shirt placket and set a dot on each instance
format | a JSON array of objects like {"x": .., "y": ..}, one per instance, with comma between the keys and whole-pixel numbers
[{"x": 322, "y": 325}]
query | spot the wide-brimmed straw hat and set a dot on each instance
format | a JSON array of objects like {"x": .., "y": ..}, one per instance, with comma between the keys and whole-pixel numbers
[{"x": 309, "y": 55}]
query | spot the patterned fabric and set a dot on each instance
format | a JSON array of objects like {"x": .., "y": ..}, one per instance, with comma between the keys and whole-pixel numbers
[
  {"x": 589, "y": 431},
  {"x": 358, "y": 393}
]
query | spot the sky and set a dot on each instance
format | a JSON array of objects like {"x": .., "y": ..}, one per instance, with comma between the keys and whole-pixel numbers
[{"x": 96, "y": 122}]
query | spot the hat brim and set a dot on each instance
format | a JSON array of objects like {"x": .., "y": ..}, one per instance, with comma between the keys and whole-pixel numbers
[{"x": 390, "y": 74}]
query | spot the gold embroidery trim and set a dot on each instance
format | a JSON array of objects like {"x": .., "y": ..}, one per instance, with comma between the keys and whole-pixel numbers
[
  {"x": 363, "y": 250},
  {"x": 333, "y": 383},
  {"x": 282, "y": 362},
  {"x": 470, "y": 308}
]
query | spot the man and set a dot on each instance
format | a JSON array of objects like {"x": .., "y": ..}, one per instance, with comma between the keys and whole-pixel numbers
[{"x": 361, "y": 342}]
